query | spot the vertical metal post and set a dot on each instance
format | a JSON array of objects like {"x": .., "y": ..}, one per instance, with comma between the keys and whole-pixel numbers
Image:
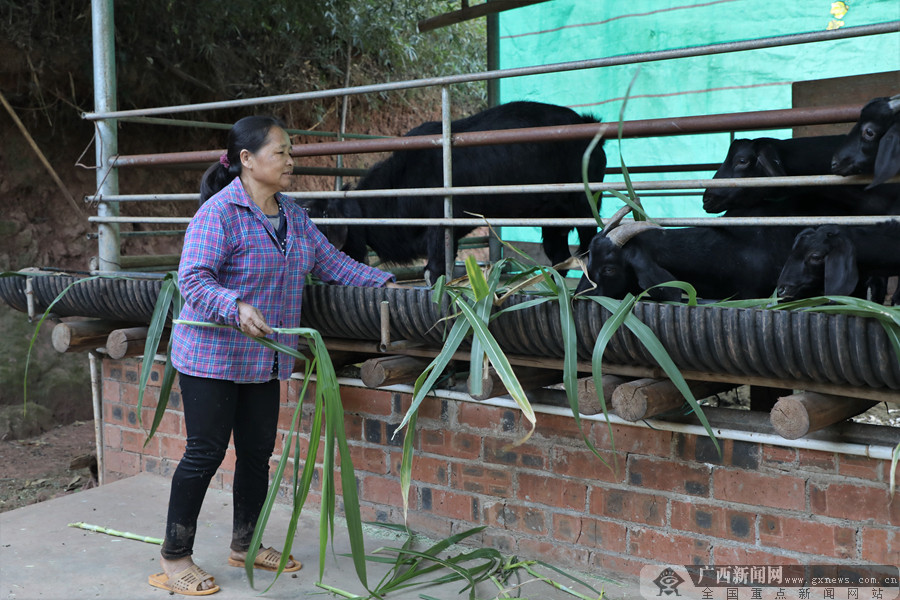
[
  {"x": 493, "y": 97},
  {"x": 345, "y": 104},
  {"x": 97, "y": 401},
  {"x": 449, "y": 254},
  {"x": 385, "y": 320},
  {"x": 493, "y": 58},
  {"x": 107, "y": 140}
]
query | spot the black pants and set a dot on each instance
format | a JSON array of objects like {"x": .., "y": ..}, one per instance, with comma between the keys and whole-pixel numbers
[{"x": 213, "y": 409}]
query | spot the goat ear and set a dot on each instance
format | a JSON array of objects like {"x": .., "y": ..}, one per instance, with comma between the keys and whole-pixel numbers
[
  {"x": 887, "y": 161},
  {"x": 841, "y": 274},
  {"x": 770, "y": 161},
  {"x": 336, "y": 234},
  {"x": 649, "y": 273}
]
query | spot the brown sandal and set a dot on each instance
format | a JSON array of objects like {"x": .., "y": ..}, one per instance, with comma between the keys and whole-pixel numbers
[
  {"x": 267, "y": 560},
  {"x": 186, "y": 582}
]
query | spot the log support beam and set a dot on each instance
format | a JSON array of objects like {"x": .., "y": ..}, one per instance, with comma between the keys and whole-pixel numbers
[
  {"x": 82, "y": 336},
  {"x": 589, "y": 401},
  {"x": 122, "y": 343},
  {"x": 391, "y": 370},
  {"x": 646, "y": 398},
  {"x": 797, "y": 415}
]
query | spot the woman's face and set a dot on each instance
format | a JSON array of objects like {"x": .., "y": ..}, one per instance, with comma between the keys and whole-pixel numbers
[{"x": 272, "y": 165}]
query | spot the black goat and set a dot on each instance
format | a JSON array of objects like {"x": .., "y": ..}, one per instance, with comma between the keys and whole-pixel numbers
[
  {"x": 830, "y": 260},
  {"x": 769, "y": 157},
  {"x": 873, "y": 145},
  {"x": 720, "y": 262},
  {"x": 508, "y": 164}
]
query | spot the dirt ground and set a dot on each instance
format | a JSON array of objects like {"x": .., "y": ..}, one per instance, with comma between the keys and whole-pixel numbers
[{"x": 40, "y": 468}]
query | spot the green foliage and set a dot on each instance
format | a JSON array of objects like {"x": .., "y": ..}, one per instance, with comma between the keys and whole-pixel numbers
[
  {"x": 204, "y": 50},
  {"x": 330, "y": 411},
  {"x": 430, "y": 567},
  {"x": 169, "y": 299}
]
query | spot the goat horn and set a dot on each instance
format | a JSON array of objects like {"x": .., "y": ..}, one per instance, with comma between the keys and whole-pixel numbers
[
  {"x": 894, "y": 103},
  {"x": 627, "y": 231},
  {"x": 614, "y": 220}
]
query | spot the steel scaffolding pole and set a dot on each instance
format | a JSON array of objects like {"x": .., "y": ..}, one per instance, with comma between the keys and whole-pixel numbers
[{"x": 107, "y": 142}]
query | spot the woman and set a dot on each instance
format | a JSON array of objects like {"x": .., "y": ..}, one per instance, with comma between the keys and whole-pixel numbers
[{"x": 246, "y": 256}]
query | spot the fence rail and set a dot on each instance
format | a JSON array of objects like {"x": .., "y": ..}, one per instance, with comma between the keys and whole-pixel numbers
[{"x": 108, "y": 199}]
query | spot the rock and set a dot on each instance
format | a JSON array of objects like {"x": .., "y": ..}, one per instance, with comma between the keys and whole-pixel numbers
[{"x": 17, "y": 424}]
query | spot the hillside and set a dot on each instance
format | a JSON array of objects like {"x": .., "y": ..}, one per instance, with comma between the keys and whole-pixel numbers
[{"x": 45, "y": 76}]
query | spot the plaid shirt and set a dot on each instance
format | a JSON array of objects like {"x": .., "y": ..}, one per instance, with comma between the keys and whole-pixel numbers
[{"x": 231, "y": 253}]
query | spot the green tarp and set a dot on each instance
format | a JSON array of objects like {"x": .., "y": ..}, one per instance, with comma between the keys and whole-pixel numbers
[{"x": 569, "y": 30}]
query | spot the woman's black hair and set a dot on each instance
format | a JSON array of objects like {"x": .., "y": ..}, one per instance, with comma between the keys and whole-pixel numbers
[{"x": 247, "y": 134}]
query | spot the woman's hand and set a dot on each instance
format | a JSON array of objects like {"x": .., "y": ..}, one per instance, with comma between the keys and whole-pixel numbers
[{"x": 251, "y": 320}]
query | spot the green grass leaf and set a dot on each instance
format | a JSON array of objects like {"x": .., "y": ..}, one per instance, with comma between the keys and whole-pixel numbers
[
  {"x": 329, "y": 408},
  {"x": 622, "y": 315},
  {"x": 406, "y": 459},
  {"x": 620, "y": 310},
  {"x": 593, "y": 198},
  {"x": 423, "y": 385},
  {"x": 166, "y": 299},
  {"x": 499, "y": 361},
  {"x": 476, "y": 278},
  {"x": 570, "y": 358}
]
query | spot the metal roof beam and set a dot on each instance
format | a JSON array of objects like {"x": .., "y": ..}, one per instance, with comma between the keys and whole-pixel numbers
[{"x": 467, "y": 13}]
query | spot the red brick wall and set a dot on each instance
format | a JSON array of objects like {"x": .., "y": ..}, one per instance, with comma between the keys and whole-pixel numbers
[{"x": 669, "y": 498}]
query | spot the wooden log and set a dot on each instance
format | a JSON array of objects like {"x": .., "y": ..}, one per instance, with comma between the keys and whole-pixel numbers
[
  {"x": 130, "y": 341},
  {"x": 797, "y": 415},
  {"x": 492, "y": 386},
  {"x": 588, "y": 402},
  {"x": 81, "y": 336},
  {"x": 390, "y": 370},
  {"x": 646, "y": 398}
]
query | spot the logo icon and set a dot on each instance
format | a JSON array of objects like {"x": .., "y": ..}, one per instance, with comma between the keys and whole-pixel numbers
[{"x": 667, "y": 581}]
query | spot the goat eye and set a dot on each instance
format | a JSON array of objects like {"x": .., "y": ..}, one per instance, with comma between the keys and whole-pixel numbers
[
  {"x": 742, "y": 160},
  {"x": 816, "y": 258},
  {"x": 868, "y": 133},
  {"x": 608, "y": 271}
]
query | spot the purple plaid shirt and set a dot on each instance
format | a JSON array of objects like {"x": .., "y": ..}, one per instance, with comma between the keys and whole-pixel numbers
[{"x": 231, "y": 253}]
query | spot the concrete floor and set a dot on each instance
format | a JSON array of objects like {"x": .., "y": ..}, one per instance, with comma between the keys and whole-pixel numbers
[{"x": 42, "y": 557}]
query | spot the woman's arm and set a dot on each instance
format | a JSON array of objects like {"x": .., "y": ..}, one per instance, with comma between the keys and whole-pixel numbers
[
  {"x": 333, "y": 266},
  {"x": 206, "y": 248}
]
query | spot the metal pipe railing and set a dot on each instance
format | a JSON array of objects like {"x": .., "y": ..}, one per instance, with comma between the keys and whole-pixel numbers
[
  {"x": 447, "y": 168},
  {"x": 196, "y": 197},
  {"x": 627, "y": 59},
  {"x": 765, "y": 119},
  {"x": 227, "y": 126},
  {"x": 643, "y": 128},
  {"x": 552, "y": 188},
  {"x": 568, "y": 222}
]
